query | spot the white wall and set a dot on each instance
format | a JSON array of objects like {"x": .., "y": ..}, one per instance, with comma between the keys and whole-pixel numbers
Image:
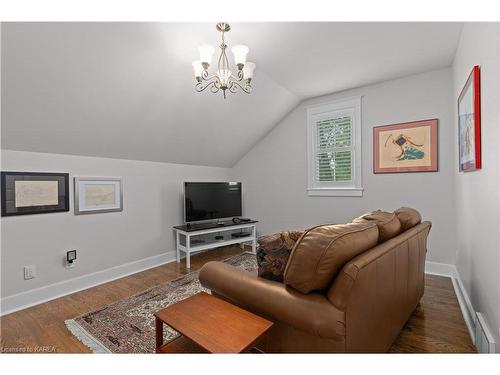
[
  {"x": 152, "y": 195},
  {"x": 274, "y": 171},
  {"x": 478, "y": 192}
]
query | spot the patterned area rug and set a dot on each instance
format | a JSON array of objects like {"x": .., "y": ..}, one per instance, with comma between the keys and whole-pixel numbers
[{"x": 128, "y": 326}]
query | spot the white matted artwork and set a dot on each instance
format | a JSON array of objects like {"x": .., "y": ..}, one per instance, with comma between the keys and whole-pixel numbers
[{"x": 98, "y": 194}]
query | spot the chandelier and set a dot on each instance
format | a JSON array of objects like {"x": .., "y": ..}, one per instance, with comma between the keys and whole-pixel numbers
[{"x": 223, "y": 79}]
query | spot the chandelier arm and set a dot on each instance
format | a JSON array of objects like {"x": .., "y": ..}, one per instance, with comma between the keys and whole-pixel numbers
[
  {"x": 206, "y": 77},
  {"x": 232, "y": 87},
  {"x": 215, "y": 87},
  {"x": 240, "y": 76},
  {"x": 211, "y": 78},
  {"x": 246, "y": 88},
  {"x": 199, "y": 87}
]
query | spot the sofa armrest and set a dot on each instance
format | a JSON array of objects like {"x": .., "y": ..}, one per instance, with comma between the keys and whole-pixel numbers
[{"x": 312, "y": 313}]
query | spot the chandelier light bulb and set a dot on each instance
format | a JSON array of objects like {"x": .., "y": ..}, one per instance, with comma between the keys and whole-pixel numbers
[
  {"x": 198, "y": 68},
  {"x": 206, "y": 53},
  {"x": 248, "y": 70},
  {"x": 240, "y": 55}
]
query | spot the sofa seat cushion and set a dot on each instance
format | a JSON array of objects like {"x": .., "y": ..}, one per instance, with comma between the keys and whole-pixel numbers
[
  {"x": 408, "y": 217},
  {"x": 273, "y": 252},
  {"x": 387, "y": 222},
  {"x": 322, "y": 251}
]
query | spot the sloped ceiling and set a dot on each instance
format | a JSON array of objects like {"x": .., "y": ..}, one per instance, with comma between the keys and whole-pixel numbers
[{"x": 125, "y": 90}]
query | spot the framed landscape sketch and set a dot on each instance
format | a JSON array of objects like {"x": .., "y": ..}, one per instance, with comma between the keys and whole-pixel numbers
[
  {"x": 406, "y": 147},
  {"x": 469, "y": 124},
  {"x": 25, "y": 193},
  {"x": 98, "y": 194}
]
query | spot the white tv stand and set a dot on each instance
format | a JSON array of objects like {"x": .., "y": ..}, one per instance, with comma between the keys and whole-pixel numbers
[{"x": 186, "y": 241}]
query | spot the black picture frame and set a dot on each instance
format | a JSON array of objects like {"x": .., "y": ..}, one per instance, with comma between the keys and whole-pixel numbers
[{"x": 8, "y": 193}]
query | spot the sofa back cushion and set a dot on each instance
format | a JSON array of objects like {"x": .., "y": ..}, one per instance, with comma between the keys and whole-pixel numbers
[
  {"x": 408, "y": 217},
  {"x": 322, "y": 251},
  {"x": 387, "y": 222},
  {"x": 273, "y": 252}
]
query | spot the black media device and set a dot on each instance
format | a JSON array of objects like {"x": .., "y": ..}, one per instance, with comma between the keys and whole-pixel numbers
[
  {"x": 240, "y": 234},
  {"x": 205, "y": 201},
  {"x": 238, "y": 220}
]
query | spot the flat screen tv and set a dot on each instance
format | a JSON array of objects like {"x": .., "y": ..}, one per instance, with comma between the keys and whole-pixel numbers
[{"x": 205, "y": 201}]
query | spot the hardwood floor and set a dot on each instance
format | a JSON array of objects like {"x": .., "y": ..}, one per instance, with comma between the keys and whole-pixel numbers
[{"x": 437, "y": 325}]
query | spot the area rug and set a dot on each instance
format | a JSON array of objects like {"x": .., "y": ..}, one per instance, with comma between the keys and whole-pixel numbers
[{"x": 128, "y": 325}]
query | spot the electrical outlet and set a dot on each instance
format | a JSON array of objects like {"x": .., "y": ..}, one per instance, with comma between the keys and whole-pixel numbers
[{"x": 29, "y": 272}]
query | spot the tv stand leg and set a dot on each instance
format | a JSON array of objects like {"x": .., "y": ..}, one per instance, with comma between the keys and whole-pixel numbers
[
  {"x": 188, "y": 257},
  {"x": 177, "y": 249},
  {"x": 254, "y": 240}
]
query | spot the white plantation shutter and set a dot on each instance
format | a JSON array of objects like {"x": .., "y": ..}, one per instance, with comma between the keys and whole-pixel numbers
[{"x": 334, "y": 148}]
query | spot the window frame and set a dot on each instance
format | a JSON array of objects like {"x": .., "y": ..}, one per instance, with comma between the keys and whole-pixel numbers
[{"x": 322, "y": 111}]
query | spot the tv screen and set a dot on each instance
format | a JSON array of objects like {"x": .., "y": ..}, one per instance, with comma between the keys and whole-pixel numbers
[{"x": 211, "y": 200}]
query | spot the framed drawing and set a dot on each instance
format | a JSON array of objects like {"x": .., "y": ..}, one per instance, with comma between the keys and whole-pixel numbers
[
  {"x": 98, "y": 194},
  {"x": 25, "y": 193},
  {"x": 469, "y": 124},
  {"x": 406, "y": 147}
]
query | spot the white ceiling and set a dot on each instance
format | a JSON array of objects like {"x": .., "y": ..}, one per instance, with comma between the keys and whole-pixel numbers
[{"x": 125, "y": 90}]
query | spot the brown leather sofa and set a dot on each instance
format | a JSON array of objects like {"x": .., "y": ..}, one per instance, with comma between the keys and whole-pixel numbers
[{"x": 347, "y": 288}]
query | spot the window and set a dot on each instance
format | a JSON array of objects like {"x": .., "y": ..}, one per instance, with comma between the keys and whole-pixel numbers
[{"x": 334, "y": 148}]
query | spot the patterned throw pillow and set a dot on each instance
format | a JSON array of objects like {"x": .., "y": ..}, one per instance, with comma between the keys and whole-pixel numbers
[{"x": 273, "y": 253}]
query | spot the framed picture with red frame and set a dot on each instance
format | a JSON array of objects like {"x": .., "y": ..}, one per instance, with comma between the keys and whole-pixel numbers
[{"x": 469, "y": 124}]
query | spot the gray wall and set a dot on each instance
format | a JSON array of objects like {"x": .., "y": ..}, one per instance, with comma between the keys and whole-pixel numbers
[
  {"x": 274, "y": 171},
  {"x": 478, "y": 192},
  {"x": 152, "y": 195}
]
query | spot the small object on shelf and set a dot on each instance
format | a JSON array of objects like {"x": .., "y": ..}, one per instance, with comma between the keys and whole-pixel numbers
[
  {"x": 240, "y": 234},
  {"x": 219, "y": 238},
  {"x": 241, "y": 220}
]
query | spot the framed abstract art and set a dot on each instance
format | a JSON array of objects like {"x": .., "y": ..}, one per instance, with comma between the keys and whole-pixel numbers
[
  {"x": 469, "y": 124},
  {"x": 26, "y": 193},
  {"x": 406, "y": 147}
]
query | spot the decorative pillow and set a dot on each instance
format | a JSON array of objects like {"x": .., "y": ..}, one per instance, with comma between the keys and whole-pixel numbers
[
  {"x": 273, "y": 253},
  {"x": 387, "y": 222},
  {"x": 322, "y": 252},
  {"x": 408, "y": 217}
]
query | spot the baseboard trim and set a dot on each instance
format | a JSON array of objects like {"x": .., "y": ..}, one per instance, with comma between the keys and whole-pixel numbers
[
  {"x": 449, "y": 270},
  {"x": 439, "y": 269},
  {"x": 468, "y": 311},
  {"x": 34, "y": 297}
]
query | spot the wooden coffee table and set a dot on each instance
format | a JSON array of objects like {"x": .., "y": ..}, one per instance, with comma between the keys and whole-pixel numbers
[{"x": 208, "y": 324}]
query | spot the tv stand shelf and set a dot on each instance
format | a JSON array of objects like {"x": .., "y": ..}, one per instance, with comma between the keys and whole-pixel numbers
[{"x": 196, "y": 237}]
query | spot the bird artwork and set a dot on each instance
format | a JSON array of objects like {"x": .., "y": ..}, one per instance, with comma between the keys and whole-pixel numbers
[
  {"x": 406, "y": 147},
  {"x": 409, "y": 149}
]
